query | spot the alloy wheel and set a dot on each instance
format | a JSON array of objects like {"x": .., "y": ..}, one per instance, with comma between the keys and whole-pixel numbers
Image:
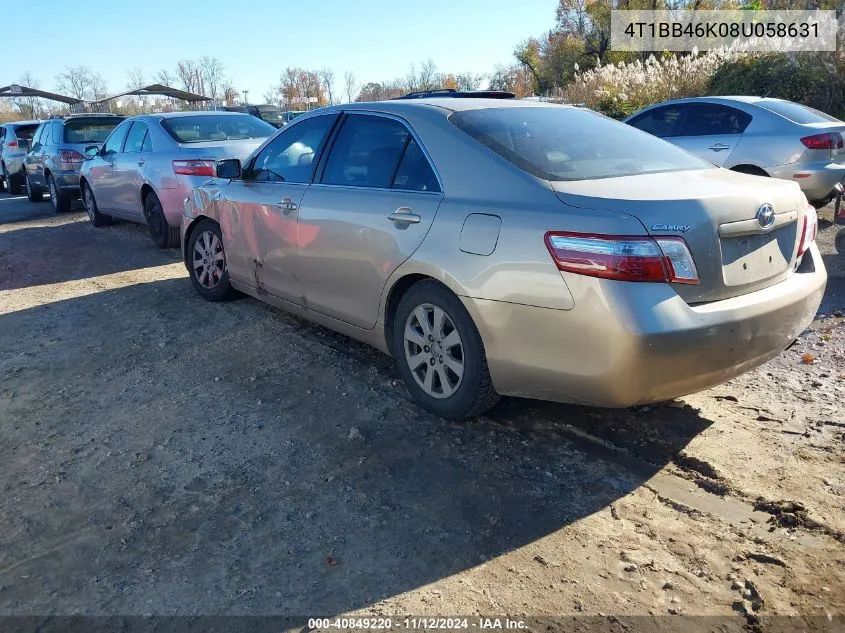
[
  {"x": 88, "y": 200},
  {"x": 209, "y": 261},
  {"x": 54, "y": 199},
  {"x": 434, "y": 350}
]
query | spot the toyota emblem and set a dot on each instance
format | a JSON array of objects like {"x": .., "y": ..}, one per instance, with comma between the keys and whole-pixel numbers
[{"x": 766, "y": 215}]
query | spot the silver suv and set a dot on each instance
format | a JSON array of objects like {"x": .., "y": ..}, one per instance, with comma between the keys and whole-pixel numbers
[
  {"x": 57, "y": 152},
  {"x": 15, "y": 138}
]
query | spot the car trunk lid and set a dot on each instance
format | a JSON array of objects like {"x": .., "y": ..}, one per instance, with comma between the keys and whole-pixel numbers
[{"x": 716, "y": 212}]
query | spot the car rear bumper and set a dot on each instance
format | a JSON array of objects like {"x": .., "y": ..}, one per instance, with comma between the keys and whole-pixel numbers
[
  {"x": 66, "y": 180},
  {"x": 625, "y": 344},
  {"x": 816, "y": 180}
]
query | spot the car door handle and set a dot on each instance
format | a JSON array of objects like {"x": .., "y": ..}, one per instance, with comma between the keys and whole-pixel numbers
[
  {"x": 404, "y": 215},
  {"x": 141, "y": 162},
  {"x": 718, "y": 147},
  {"x": 286, "y": 204}
]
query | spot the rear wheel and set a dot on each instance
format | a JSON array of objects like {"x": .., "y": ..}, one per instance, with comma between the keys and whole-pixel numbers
[
  {"x": 33, "y": 193},
  {"x": 207, "y": 262},
  {"x": 60, "y": 199},
  {"x": 840, "y": 242},
  {"x": 820, "y": 204},
  {"x": 2, "y": 177},
  {"x": 440, "y": 353},
  {"x": 162, "y": 234},
  {"x": 14, "y": 183},
  {"x": 97, "y": 218}
]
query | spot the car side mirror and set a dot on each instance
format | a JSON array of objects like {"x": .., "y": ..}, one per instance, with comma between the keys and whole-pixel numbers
[
  {"x": 91, "y": 151},
  {"x": 229, "y": 168}
]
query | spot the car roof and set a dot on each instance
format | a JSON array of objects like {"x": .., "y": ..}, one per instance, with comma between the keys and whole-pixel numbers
[
  {"x": 176, "y": 115},
  {"x": 398, "y": 106},
  {"x": 33, "y": 122}
]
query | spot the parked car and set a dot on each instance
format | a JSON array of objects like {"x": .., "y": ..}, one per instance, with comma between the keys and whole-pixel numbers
[
  {"x": 148, "y": 165},
  {"x": 268, "y": 113},
  {"x": 14, "y": 143},
  {"x": 57, "y": 152},
  {"x": 754, "y": 135},
  {"x": 509, "y": 247}
]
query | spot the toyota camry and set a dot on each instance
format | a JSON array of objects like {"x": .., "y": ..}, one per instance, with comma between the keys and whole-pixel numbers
[{"x": 495, "y": 247}]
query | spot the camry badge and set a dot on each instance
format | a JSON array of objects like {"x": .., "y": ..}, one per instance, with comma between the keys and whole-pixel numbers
[
  {"x": 683, "y": 228},
  {"x": 766, "y": 215}
]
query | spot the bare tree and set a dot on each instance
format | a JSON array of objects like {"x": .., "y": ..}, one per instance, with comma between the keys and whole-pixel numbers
[
  {"x": 211, "y": 72},
  {"x": 29, "y": 107},
  {"x": 428, "y": 77},
  {"x": 81, "y": 82},
  {"x": 469, "y": 81},
  {"x": 351, "y": 86},
  {"x": 165, "y": 77},
  {"x": 327, "y": 80},
  {"x": 189, "y": 76},
  {"x": 135, "y": 78}
]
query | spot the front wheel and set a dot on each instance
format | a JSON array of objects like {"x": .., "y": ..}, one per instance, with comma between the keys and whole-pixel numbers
[
  {"x": 440, "y": 353},
  {"x": 840, "y": 242},
  {"x": 162, "y": 234},
  {"x": 206, "y": 259},
  {"x": 97, "y": 218},
  {"x": 33, "y": 193}
]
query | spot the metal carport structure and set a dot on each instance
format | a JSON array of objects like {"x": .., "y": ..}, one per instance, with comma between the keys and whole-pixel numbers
[{"x": 148, "y": 91}]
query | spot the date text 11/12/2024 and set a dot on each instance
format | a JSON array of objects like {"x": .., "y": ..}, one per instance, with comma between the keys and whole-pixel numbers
[{"x": 419, "y": 623}]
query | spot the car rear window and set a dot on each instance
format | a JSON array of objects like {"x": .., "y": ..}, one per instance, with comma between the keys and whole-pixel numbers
[
  {"x": 201, "y": 129},
  {"x": 94, "y": 130},
  {"x": 796, "y": 112},
  {"x": 563, "y": 143},
  {"x": 26, "y": 132}
]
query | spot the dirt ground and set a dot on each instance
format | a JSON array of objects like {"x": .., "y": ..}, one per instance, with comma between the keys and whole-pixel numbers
[{"x": 160, "y": 454}]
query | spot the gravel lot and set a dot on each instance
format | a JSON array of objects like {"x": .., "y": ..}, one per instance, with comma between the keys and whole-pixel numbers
[{"x": 165, "y": 455}]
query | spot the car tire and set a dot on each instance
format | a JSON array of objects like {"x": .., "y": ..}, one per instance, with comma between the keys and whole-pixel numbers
[
  {"x": 33, "y": 193},
  {"x": 429, "y": 355},
  {"x": 3, "y": 178},
  {"x": 14, "y": 183},
  {"x": 162, "y": 234},
  {"x": 840, "y": 242},
  {"x": 209, "y": 275},
  {"x": 60, "y": 199},
  {"x": 751, "y": 170},
  {"x": 94, "y": 215},
  {"x": 821, "y": 204}
]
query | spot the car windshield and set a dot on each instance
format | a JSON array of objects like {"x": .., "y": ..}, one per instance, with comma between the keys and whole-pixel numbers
[
  {"x": 563, "y": 143},
  {"x": 26, "y": 132},
  {"x": 201, "y": 129},
  {"x": 795, "y": 112},
  {"x": 89, "y": 130}
]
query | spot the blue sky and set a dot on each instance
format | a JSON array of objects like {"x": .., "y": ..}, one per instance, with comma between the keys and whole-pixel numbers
[{"x": 256, "y": 39}]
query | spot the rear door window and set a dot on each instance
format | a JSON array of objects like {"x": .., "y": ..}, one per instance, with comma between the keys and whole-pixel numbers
[
  {"x": 415, "y": 172},
  {"x": 712, "y": 119},
  {"x": 663, "y": 121},
  {"x": 366, "y": 152},
  {"x": 136, "y": 137}
]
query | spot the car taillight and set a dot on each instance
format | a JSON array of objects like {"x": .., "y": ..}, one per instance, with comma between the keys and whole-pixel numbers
[
  {"x": 70, "y": 156},
  {"x": 626, "y": 258},
  {"x": 194, "y": 167},
  {"x": 828, "y": 140},
  {"x": 808, "y": 229},
  {"x": 12, "y": 143}
]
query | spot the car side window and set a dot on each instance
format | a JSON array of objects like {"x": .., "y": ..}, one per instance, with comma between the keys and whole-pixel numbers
[
  {"x": 663, "y": 121},
  {"x": 56, "y": 133},
  {"x": 366, "y": 152},
  {"x": 45, "y": 134},
  {"x": 114, "y": 142},
  {"x": 711, "y": 119},
  {"x": 290, "y": 156},
  {"x": 136, "y": 137},
  {"x": 415, "y": 172}
]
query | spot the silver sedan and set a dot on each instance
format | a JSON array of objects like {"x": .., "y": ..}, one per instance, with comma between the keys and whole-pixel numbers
[
  {"x": 496, "y": 246},
  {"x": 754, "y": 135},
  {"x": 150, "y": 163}
]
